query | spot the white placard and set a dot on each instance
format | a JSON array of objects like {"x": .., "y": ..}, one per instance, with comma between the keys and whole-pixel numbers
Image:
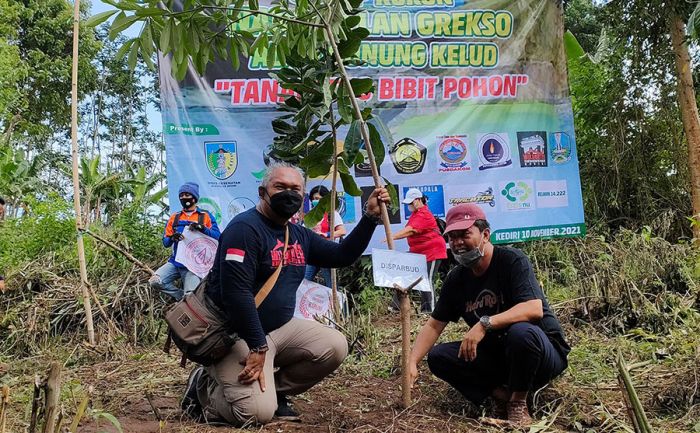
[
  {"x": 314, "y": 299},
  {"x": 394, "y": 267},
  {"x": 196, "y": 252}
]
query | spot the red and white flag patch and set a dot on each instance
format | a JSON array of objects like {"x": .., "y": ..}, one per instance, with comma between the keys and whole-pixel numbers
[{"x": 235, "y": 255}]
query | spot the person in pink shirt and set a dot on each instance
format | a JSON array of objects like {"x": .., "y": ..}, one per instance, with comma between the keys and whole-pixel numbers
[{"x": 423, "y": 237}]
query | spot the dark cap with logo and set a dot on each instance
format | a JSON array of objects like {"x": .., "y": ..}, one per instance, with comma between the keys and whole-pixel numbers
[{"x": 462, "y": 216}]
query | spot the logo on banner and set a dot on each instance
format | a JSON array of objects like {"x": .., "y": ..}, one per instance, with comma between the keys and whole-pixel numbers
[
  {"x": 222, "y": 158},
  {"x": 436, "y": 199},
  {"x": 552, "y": 193},
  {"x": 346, "y": 207},
  {"x": 560, "y": 147},
  {"x": 518, "y": 195},
  {"x": 532, "y": 147},
  {"x": 408, "y": 156},
  {"x": 210, "y": 205},
  {"x": 453, "y": 153},
  {"x": 485, "y": 197},
  {"x": 238, "y": 205},
  {"x": 494, "y": 151}
]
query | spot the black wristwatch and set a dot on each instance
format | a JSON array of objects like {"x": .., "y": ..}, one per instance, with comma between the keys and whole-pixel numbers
[{"x": 485, "y": 322}]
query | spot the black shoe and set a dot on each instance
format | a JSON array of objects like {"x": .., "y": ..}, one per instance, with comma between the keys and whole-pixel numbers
[
  {"x": 284, "y": 410},
  {"x": 190, "y": 402}
]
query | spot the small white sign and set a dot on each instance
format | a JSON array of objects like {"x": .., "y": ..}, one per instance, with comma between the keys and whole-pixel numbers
[
  {"x": 196, "y": 252},
  {"x": 394, "y": 267},
  {"x": 314, "y": 299}
]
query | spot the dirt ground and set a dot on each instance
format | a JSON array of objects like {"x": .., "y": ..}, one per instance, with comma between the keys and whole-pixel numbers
[{"x": 342, "y": 403}]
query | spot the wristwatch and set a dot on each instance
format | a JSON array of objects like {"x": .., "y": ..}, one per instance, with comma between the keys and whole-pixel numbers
[
  {"x": 259, "y": 349},
  {"x": 485, "y": 322}
]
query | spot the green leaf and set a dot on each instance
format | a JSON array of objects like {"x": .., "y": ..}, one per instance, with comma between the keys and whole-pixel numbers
[
  {"x": 234, "y": 13},
  {"x": 327, "y": 95},
  {"x": 270, "y": 58},
  {"x": 316, "y": 214},
  {"x": 353, "y": 139},
  {"x": 344, "y": 105},
  {"x": 121, "y": 23},
  {"x": 253, "y": 5},
  {"x": 393, "y": 194},
  {"x": 348, "y": 48},
  {"x": 355, "y": 3},
  {"x": 165, "y": 37},
  {"x": 150, "y": 12},
  {"x": 133, "y": 56},
  {"x": 146, "y": 41},
  {"x": 98, "y": 19},
  {"x": 360, "y": 86},
  {"x": 572, "y": 47},
  {"x": 124, "y": 48},
  {"x": 377, "y": 145},
  {"x": 349, "y": 185},
  {"x": 235, "y": 59},
  {"x": 352, "y": 21}
]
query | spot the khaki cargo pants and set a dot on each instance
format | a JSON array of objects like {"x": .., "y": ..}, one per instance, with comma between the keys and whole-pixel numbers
[{"x": 302, "y": 353}]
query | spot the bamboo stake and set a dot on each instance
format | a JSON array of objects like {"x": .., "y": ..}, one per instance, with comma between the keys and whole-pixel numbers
[
  {"x": 404, "y": 301},
  {"x": 81, "y": 410},
  {"x": 639, "y": 417},
  {"x": 76, "y": 179},
  {"x": 331, "y": 216},
  {"x": 406, "y": 340},
  {"x": 53, "y": 393}
]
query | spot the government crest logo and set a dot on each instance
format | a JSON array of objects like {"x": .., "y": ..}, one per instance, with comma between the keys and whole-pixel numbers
[
  {"x": 408, "y": 156},
  {"x": 560, "y": 147},
  {"x": 532, "y": 146},
  {"x": 494, "y": 151},
  {"x": 222, "y": 158},
  {"x": 453, "y": 153}
]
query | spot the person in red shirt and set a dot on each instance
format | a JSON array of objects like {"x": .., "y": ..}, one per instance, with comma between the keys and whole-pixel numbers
[{"x": 423, "y": 237}]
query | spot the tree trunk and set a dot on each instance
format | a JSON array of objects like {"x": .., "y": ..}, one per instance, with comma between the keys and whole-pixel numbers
[{"x": 689, "y": 114}]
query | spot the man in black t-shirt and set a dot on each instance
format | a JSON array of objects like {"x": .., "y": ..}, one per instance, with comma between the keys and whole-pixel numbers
[
  {"x": 277, "y": 354},
  {"x": 515, "y": 343}
]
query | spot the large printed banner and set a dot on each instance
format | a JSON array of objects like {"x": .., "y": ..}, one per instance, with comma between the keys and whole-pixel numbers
[{"x": 475, "y": 95}]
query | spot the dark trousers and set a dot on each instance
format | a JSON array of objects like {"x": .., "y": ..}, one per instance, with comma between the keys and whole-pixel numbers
[{"x": 521, "y": 359}]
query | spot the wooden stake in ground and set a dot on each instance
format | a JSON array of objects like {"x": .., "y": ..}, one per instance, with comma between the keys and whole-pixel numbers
[
  {"x": 4, "y": 401},
  {"x": 405, "y": 339},
  {"x": 36, "y": 402},
  {"x": 53, "y": 393},
  {"x": 76, "y": 179}
]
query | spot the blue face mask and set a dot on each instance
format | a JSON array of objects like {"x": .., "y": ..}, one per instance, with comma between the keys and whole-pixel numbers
[{"x": 314, "y": 203}]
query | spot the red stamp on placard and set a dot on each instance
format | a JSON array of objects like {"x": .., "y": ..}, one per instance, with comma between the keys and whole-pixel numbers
[{"x": 200, "y": 254}]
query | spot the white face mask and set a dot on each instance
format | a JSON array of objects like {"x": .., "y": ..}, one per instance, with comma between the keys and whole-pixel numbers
[
  {"x": 471, "y": 258},
  {"x": 411, "y": 208}
]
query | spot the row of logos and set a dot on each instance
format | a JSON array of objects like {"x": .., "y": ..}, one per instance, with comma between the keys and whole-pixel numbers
[
  {"x": 493, "y": 151},
  {"x": 511, "y": 195},
  {"x": 453, "y": 154}
]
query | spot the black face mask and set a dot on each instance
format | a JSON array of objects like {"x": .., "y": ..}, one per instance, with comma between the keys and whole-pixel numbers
[
  {"x": 187, "y": 202},
  {"x": 285, "y": 203}
]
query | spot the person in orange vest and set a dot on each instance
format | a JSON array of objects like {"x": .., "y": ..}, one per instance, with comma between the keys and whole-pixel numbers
[{"x": 191, "y": 218}]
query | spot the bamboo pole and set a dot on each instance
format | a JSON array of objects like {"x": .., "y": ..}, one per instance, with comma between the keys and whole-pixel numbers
[
  {"x": 404, "y": 301},
  {"x": 53, "y": 393},
  {"x": 331, "y": 216},
  {"x": 638, "y": 416},
  {"x": 76, "y": 179},
  {"x": 4, "y": 402},
  {"x": 36, "y": 402},
  {"x": 406, "y": 340}
]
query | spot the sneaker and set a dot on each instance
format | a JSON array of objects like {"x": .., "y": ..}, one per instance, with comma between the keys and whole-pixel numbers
[
  {"x": 518, "y": 413},
  {"x": 190, "y": 402},
  {"x": 284, "y": 410}
]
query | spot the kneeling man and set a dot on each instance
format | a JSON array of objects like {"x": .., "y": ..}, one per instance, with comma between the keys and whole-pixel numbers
[
  {"x": 515, "y": 343},
  {"x": 277, "y": 354}
]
